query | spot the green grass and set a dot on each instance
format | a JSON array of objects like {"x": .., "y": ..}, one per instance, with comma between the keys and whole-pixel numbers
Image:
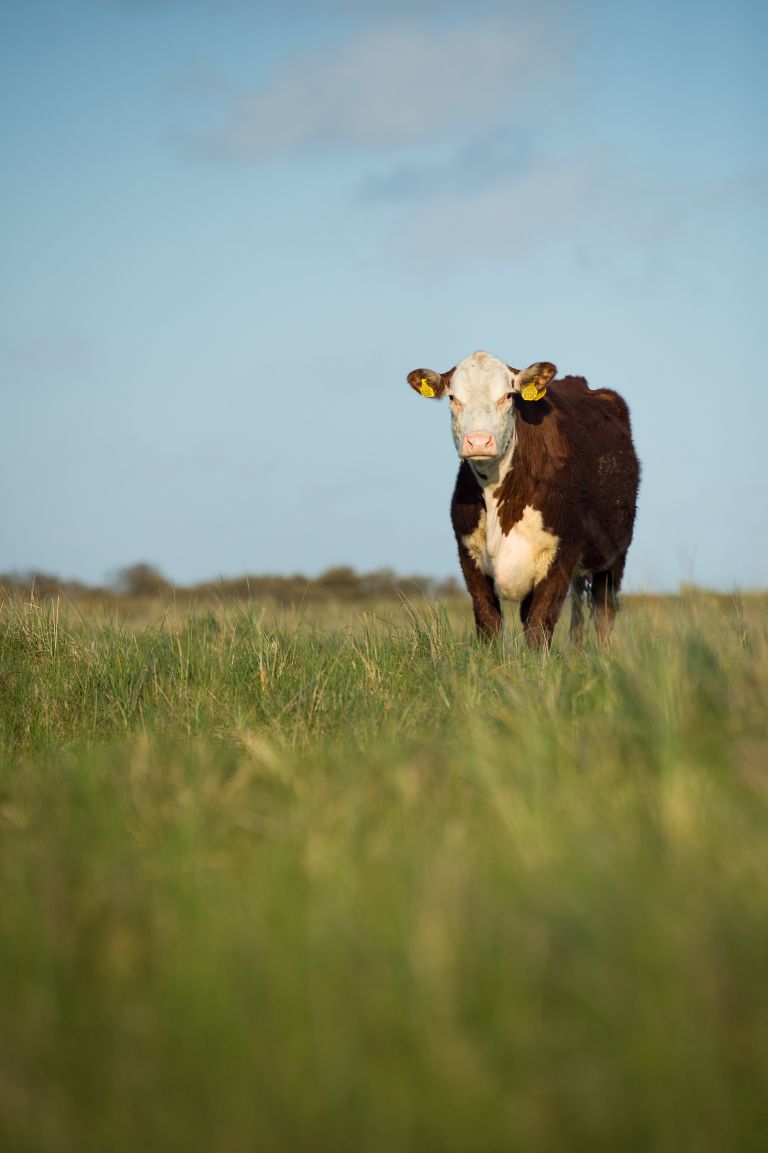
[{"x": 269, "y": 885}]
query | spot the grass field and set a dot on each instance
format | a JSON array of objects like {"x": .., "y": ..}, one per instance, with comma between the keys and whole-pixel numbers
[{"x": 353, "y": 882}]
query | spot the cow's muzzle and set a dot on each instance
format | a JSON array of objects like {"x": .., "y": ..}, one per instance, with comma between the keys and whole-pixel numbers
[{"x": 476, "y": 444}]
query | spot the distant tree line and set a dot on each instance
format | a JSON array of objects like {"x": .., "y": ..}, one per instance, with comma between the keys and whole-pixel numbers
[{"x": 144, "y": 580}]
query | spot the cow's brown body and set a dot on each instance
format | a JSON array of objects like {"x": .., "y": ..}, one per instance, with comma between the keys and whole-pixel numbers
[{"x": 574, "y": 462}]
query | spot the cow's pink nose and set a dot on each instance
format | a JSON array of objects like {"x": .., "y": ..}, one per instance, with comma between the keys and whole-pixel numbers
[{"x": 479, "y": 444}]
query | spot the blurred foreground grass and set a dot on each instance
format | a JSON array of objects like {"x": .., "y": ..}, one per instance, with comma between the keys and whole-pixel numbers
[{"x": 351, "y": 883}]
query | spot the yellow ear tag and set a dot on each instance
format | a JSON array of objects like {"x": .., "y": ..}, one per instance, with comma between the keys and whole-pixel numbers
[
  {"x": 541, "y": 393},
  {"x": 426, "y": 389},
  {"x": 530, "y": 392}
]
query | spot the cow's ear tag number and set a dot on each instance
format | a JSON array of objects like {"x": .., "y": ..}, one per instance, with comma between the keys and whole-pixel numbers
[{"x": 426, "y": 389}]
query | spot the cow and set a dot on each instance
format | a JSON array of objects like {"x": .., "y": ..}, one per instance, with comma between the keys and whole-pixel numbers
[{"x": 546, "y": 493}]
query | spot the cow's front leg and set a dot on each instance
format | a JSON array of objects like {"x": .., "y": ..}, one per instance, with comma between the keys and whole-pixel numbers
[
  {"x": 485, "y": 602},
  {"x": 468, "y": 519},
  {"x": 540, "y": 610}
]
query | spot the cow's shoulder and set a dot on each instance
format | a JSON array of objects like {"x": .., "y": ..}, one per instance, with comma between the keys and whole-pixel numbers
[
  {"x": 570, "y": 385},
  {"x": 581, "y": 410},
  {"x": 576, "y": 389}
]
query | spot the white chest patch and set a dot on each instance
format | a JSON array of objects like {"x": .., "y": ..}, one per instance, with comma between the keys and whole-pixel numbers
[{"x": 517, "y": 560}]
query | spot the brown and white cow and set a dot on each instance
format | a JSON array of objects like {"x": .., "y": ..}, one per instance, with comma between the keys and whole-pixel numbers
[{"x": 546, "y": 494}]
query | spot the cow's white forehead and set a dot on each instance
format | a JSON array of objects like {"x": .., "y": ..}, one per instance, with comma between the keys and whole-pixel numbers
[{"x": 481, "y": 373}]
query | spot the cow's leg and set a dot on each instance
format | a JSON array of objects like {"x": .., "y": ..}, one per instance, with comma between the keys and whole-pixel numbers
[
  {"x": 485, "y": 602},
  {"x": 468, "y": 519},
  {"x": 541, "y": 609},
  {"x": 605, "y": 586},
  {"x": 578, "y": 595}
]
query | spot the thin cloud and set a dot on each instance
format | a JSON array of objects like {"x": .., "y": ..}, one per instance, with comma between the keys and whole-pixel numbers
[
  {"x": 372, "y": 10},
  {"x": 483, "y": 160},
  {"x": 586, "y": 209},
  {"x": 504, "y": 220},
  {"x": 392, "y": 87}
]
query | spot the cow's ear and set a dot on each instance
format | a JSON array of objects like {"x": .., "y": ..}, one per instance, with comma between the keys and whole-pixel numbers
[
  {"x": 429, "y": 383},
  {"x": 532, "y": 382}
]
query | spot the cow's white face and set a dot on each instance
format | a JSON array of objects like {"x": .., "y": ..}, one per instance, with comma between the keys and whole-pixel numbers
[
  {"x": 481, "y": 395},
  {"x": 481, "y": 392}
]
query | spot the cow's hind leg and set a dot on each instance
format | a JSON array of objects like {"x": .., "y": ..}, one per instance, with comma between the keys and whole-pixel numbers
[
  {"x": 605, "y": 586},
  {"x": 579, "y": 587}
]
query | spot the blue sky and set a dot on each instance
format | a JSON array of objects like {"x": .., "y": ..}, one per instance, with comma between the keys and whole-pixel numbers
[{"x": 229, "y": 229}]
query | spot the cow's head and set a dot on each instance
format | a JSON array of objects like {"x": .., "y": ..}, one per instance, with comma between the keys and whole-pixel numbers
[{"x": 481, "y": 391}]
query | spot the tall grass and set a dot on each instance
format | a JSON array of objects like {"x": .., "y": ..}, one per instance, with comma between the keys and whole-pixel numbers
[{"x": 269, "y": 885}]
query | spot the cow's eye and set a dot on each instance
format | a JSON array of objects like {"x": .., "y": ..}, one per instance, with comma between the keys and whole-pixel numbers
[{"x": 510, "y": 395}]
